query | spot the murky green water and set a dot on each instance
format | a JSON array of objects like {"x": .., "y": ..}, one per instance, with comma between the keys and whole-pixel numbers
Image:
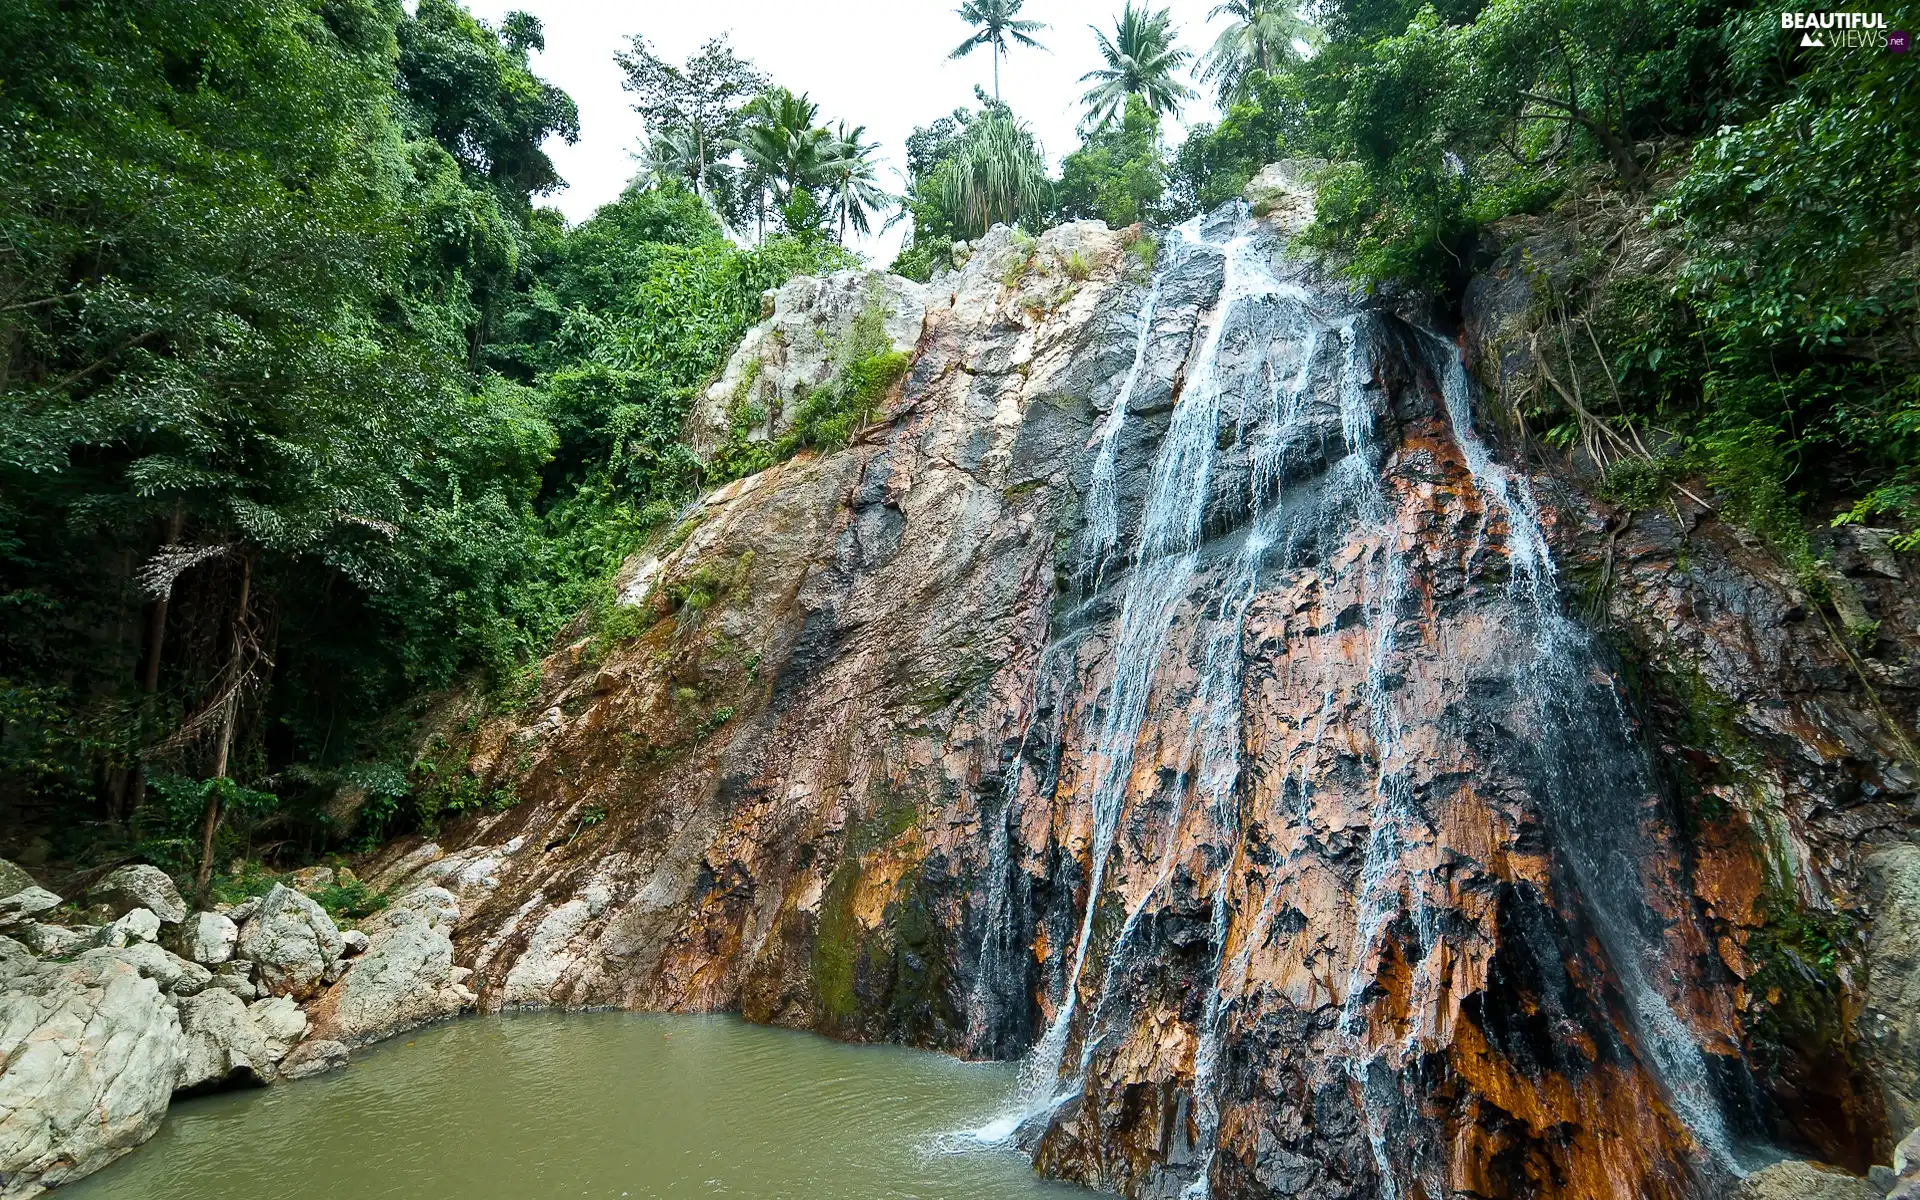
[{"x": 539, "y": 1106}]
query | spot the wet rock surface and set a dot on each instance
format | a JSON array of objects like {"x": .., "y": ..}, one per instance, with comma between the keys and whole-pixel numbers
[
  {"x": 1805, "y": 1181},
  {"x": 1341, "y": 810}
]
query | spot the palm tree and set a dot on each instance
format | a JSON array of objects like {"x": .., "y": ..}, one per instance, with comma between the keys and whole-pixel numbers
[
  {"x": 996, "y": 23},
  {"x": 782, "y": 144},
  {"x": 1261, "y": 38},
  {"x": 672, "y": 154},
  {"x": 854, "y": 190},
  {"x": 995, "y": 175},
  {"x": 1141, "y": 61}
]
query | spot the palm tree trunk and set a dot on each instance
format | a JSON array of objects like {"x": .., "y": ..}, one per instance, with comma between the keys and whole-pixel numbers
[{"x": 996, "y": 72}]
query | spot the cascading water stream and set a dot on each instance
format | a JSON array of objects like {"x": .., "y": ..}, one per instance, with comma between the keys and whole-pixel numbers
[
  {"x": 1102, "y": 529},
  {"x": 1595, "y": 829},
  {"x": 1263, "y": 355},
  {"x": 1163, "y": 566}
]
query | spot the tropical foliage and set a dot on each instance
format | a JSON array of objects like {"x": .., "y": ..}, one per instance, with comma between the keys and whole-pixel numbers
[
  {"x": 1142, "y": 60},
  {"x": 995, "y": 23},
  {"x": 308, "y": 409}
]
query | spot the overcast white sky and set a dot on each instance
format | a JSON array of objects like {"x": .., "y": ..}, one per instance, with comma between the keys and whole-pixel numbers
[{"x": 881, "y": 63}]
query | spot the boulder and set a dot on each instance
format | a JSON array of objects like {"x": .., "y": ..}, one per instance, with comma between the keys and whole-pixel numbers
[
  {"x": 206, "y": 938},
  {"x": 238, "y": 913},
  {"x": 52, "y": 941},
  {"x": 434, "y": 905},
  {"x": 223, "y": 1045},
  {"x": 1805, "y": 1181},
  {"x": 138, "y": 925},
  {"x": 405, "y": 978},
  {"x": 798, "y": 347},
  {"x": 235, "y": 976},
  {"x": 293, "y": 942},
  {"x": 140, "y": 886},
  {"x": 175, "y": 975},
  {"x": 26, "y": 904},
  {"x": 313, "y": 1058},
  {"x": 1283, "y": 193},
  {"x": 1904, "y": 1181},
  {"x": 312, "y": 879},
  {"x": 1890, "y": 1019},
  {"x": 352, "y": 942},
  {"x": 280, "y": 1022},
  {"x": 14, "y": 878},
  {"x": 89, "y": 1052}
]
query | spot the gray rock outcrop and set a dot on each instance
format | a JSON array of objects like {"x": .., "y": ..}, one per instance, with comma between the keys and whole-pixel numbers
[
  {"x": 89, "y": 1054},
  {"x": 14, "y": 878},
  {"x": 49, "y": 941},
  {"x": 137, "y": 925},
  {"x": 313, "y": 1058},
  {"x": 22, "y": 906},
  {"x": 222, "y": 1044},
  {"x": 291, "y": 940},
  {"x": 208, "y": 938},
  {"x": 799, "y": 347},
  {"x": 281, "y": 1022},
  {"x": 404, "y": 978},
  {"x": 175, "y": 975},
  {"x": 1805, "y": 1181},
  {"x": 140, "y": 886},
  {"x": 1890, "y": 1019}
]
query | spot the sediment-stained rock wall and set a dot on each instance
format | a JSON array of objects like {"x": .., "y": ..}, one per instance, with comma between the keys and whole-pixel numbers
[{"x": 1172, "y": 687}]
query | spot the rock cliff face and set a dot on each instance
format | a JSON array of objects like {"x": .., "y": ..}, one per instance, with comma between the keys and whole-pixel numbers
[{"x": 1173, "y": 688}]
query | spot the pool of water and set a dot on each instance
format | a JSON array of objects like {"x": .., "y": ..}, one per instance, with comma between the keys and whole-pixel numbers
[{"x": 537, "y": 1106}]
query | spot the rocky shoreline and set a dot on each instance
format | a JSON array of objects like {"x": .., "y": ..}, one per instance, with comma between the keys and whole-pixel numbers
[{"x": 108, "y": 1013}]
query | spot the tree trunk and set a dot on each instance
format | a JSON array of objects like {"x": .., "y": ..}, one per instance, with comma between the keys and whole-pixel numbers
[
  {"x": 134, "y": 784},
  {"x": 996, "y": 72},
  {"x": 225, "y": 748}
]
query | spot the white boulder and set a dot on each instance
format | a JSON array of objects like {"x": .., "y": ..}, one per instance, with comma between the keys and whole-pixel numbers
[
  {"x": 223, "y": 1045},
  {"x": 291, "y": 940},
  {"x": 89, "y": 1052},
  {"x": 139, "y": 925},
  {"x": 140, "y": 886}
]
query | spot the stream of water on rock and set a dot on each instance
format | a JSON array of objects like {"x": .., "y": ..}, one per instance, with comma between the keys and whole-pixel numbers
[
  {"x": 1264, "y": 343},
  {"x": 536, "y": 1106}
]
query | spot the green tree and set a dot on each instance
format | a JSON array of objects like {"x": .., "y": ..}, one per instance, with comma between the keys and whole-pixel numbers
[
  {"x": 1119, "y": 174},
  {"x": 783, "y": 143},
  {"x": 1214, "y": 163},
  {"x": 995, "y": 23},
  {"x": 475, "y": 95},
  {"x": 700, "y": 101},
  {"x": 1142, "y": 60},
  {"x": 995, "y": 174},
  {"x": 236, "y": 402},
  {"x": 1261, "y": 37},
  {"x": 852, "y": 181}
]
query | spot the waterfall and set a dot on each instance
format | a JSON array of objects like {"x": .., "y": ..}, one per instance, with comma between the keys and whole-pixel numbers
[
  {"x": 1586, "y": 783},
  {"x": 1101, "y": 532},
  {"x": 1263, "y": 365}
]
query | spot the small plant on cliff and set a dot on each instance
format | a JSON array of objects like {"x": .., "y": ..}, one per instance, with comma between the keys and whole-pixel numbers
[
  {"x": 865, "y": 368},
  {"x": 352, "y": 899}
]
